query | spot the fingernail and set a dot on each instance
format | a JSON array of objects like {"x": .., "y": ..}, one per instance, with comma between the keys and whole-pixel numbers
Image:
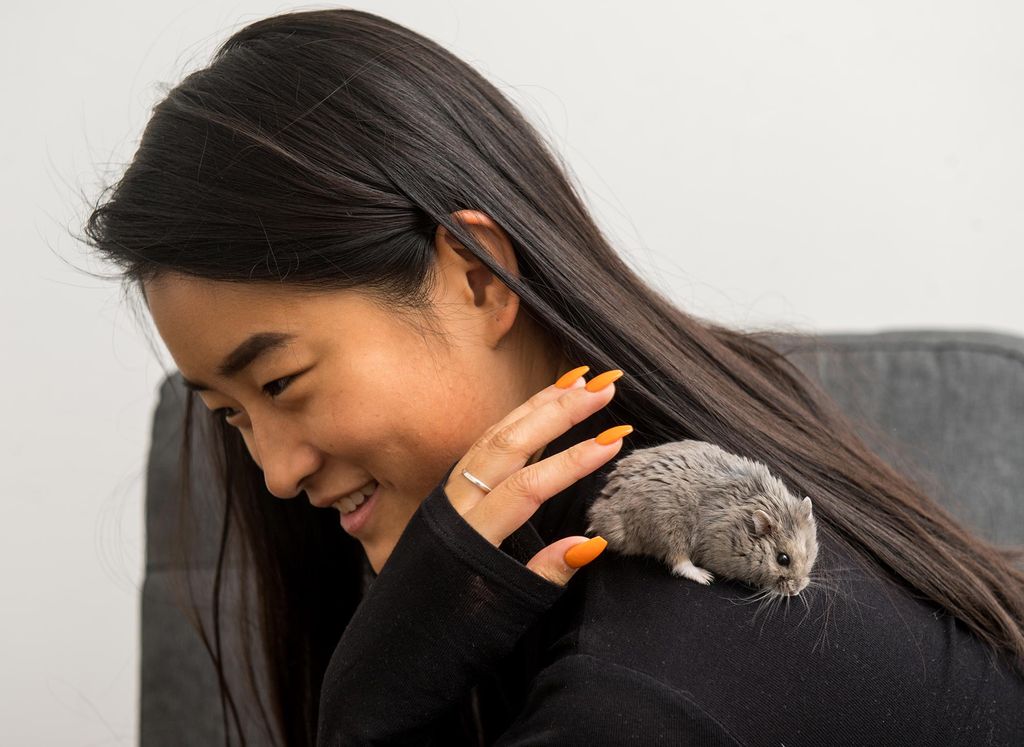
[
  {"x": 599, "y": 382},
  {"x": 579, "y": 555},
  {"x": 612, "y": 435},
  {"x": 568, "y": 379}
]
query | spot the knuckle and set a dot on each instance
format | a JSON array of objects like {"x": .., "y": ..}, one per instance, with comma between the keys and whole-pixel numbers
[
  {"x": 526, "y": 482},
  {"x": 578, "y": 404},
  {"x": 569, "y": 408},
  {"x": 506, "y": 439},
  {"x": 487, "y": 435},
  {"x": 569, "y": 403},
  {"x": 575, "y": 459}
]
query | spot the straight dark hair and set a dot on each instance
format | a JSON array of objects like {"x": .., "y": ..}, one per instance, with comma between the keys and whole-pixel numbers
[{"x": 322, "y": 149}]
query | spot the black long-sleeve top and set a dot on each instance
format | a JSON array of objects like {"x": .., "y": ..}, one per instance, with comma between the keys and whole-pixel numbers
[{"x": 628, "y": 654}]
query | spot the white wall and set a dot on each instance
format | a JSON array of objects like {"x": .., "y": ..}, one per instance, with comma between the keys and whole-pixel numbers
[{"x": 835, "y": 166}]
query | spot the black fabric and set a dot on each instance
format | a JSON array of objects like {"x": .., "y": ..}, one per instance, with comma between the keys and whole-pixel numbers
[
  {"x": 636, "y": 710},
  {"x": 628, "y": 654},
  {"x": 445, "y": 593}
]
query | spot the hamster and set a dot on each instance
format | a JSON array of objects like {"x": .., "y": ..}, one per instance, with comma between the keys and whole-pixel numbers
[{"x": 691, "y": 504}]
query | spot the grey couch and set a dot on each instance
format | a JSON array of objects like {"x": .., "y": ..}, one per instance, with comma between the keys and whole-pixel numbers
[{"x": 952, "y": 402}]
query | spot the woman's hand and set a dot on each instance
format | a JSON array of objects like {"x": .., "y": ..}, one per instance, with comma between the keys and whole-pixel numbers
[{"x": 499, "y": 456}]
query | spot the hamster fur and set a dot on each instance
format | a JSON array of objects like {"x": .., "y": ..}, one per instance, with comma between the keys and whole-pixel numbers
[{"x": 702, "y": 511}]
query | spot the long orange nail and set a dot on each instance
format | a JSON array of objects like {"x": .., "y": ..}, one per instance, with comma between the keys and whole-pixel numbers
[
  {"x": 612, "y": 435},
  {"x": 599, "y": 382},
  {"x": 568, "y": 379},
  {"x": 579, "y": 555}
]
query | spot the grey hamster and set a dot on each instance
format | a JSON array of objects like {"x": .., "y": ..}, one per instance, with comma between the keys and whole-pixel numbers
[{"x": 701, "y": 509}]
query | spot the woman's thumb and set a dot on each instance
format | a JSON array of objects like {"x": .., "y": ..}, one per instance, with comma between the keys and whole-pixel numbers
[{"x": 559, "y": 561}]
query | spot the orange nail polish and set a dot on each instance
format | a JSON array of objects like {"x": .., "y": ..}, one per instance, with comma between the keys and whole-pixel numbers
[
  {"x": 579, "y": 555},
  {"x": 599, "y": 382},
  {"x": 568, "y": 379},
  {"x": 613, "y": 434}
]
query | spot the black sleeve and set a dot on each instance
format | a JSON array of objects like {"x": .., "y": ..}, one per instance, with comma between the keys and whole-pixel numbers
[
  {"x": 446, "y": 606},
  {"x": 580, "y": 699}
]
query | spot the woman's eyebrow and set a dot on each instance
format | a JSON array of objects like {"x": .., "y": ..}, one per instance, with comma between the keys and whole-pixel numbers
[{"x": 245, "y": 355}]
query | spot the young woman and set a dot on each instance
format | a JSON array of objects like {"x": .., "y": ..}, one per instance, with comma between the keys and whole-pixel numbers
[{"x": 371, "y": 271}]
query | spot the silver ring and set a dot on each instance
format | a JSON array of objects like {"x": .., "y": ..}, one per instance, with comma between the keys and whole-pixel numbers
[{"x": 476, "y": 481}]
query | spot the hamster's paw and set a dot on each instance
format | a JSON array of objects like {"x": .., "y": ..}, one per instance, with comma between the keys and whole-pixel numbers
[{"x": 687, "y": 569}]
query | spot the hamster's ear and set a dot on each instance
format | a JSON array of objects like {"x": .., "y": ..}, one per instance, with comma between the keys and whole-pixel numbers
[
  {"x": 762, "y": 522},
  {"x": 806, "y": 504}
]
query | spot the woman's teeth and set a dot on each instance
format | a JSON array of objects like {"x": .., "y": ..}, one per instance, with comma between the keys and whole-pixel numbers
[{"x": 354, "y": 500}]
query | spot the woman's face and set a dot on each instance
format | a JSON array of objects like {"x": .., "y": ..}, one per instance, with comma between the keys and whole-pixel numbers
[{"x": 370, "y": 398}]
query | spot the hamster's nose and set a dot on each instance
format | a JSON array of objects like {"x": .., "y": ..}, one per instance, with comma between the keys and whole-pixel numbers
[{"x": 786, "y": 587}]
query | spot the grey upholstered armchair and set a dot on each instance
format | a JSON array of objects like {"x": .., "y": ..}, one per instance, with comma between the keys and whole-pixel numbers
[{"x": 952, "y": 400}]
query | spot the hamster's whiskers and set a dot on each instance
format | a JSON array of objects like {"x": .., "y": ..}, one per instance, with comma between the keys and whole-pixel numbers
[
  {"x": 755, "y": 597},
  {"x": 772, "y": 602}
]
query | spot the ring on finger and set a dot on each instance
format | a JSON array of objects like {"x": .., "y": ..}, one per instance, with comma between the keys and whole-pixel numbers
[{"x": 476, "y": 481}]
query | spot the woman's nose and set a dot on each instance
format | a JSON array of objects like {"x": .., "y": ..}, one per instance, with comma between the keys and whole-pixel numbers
[{"x": 286, "y": 461}]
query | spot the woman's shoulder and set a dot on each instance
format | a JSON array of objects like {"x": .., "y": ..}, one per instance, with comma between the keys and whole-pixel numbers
[
  {"x": 584, "y": 699},
  {"x": 854, "y": 644}
]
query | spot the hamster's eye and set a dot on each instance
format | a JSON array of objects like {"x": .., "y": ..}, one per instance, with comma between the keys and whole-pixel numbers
[{"x": 782, "y": 559}]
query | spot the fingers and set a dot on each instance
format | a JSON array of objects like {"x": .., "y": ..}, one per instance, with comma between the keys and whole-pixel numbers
[
  {"x": 506, "y": 447},
  {"x": 559, "y": 561},
  {"x": 512, "y": 502},
  {"x": 462, "y": 494},
  {"x": 570, "y": 380}
]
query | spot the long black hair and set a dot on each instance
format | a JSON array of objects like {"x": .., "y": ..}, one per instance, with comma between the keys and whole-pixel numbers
[{"x": 322, "y": 149}]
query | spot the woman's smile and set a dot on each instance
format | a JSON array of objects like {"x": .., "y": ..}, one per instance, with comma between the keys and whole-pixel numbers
[
  {"x": 353, "y": 520},
  {"x": 374, "y": 391}
]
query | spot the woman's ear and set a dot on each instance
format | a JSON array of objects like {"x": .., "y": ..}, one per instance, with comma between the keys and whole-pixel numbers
[
  {"x": 468, "y": 281},
  {"x": 486, "y": 232}
]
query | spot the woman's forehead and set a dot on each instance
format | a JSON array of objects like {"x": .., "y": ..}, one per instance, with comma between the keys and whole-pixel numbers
[
  {"x": 200, "y": 319},
  {"x": 179, "y": 298},
  {"x": 172, "y": 288}
]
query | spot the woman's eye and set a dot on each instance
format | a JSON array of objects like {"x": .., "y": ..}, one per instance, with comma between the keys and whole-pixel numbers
[{"x": 273, "y": 389}]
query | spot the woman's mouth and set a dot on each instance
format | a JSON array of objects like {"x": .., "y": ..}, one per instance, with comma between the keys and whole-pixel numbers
[{"x": 356, "y": 508}]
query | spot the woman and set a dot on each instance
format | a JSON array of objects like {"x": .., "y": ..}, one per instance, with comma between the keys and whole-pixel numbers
[{"x": 427, "y": 271}]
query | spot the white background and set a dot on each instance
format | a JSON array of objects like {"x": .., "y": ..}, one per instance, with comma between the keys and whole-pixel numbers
[{"x": 829, "y": 166}]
